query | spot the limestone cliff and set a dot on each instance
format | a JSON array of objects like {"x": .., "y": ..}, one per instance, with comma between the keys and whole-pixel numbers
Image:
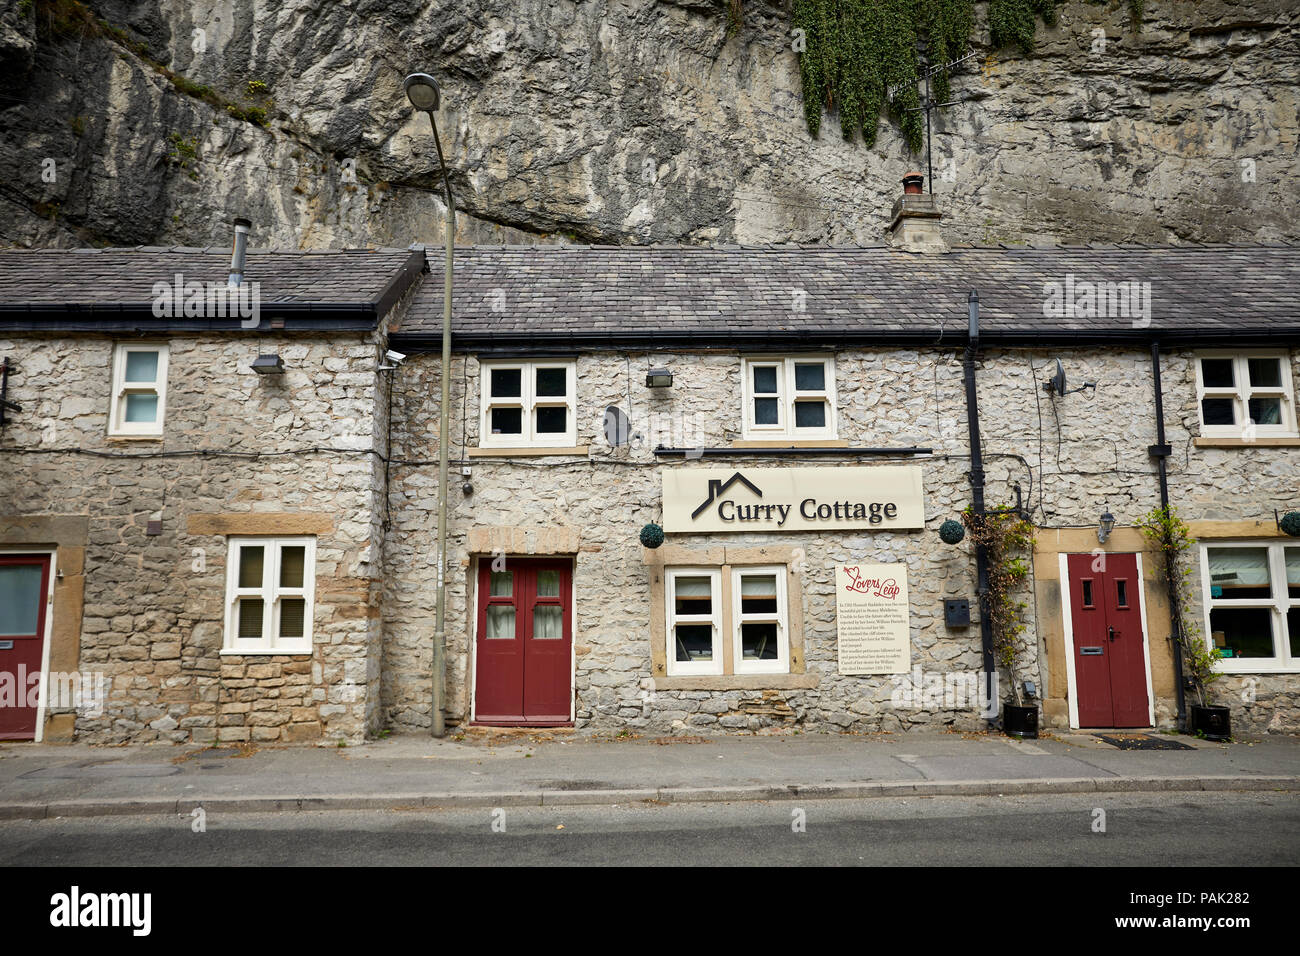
[{"x": 623, "y": 121}]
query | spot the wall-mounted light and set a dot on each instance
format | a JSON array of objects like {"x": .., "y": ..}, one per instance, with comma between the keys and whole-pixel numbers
[
  {"x": 1105, "y": 525},
  {"x": 659, "y": 378},
  {"x": 268, "y": 365}
]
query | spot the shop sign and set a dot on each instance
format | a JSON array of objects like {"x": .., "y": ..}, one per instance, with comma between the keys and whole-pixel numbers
[{"x": 865, "y": 498}]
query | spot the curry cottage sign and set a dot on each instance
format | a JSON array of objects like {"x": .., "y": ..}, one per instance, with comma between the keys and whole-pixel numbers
[{"x": 793, "y": 499}]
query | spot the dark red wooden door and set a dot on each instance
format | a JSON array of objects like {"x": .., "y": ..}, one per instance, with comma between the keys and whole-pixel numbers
[
  {"x": 523, "y": 661},
  {"x": 24, "y": 586},
  {"x": 1110, "y": 667}
]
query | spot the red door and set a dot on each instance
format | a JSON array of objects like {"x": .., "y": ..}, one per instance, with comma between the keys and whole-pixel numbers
[
  {"x": 24, "y": 586},
  {"x": 1110, "y": 667},
  {"x": 523, "y": 659}
]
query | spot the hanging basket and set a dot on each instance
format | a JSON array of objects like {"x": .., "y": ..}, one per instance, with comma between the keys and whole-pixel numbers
[
  {"x": 950, "y": 532},
  {"x": 652, "y": 536},
  {"x": 1290, "y": 524}
]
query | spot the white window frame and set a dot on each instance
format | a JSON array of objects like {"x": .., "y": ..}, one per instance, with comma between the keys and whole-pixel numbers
[
  {"x": 270, "y": 592},
  {"x": 121, "y": 388},
  {"x": 529, "y": 402},
  {"x": 786, "y": 396},
  {"x": 678, "y": 668},
  {"x": 1279, "y": 603},
  {"x": 1242, "y": 392},
  {"x": 781, "y": 617}
]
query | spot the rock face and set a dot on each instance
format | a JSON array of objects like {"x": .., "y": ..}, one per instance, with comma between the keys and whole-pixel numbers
[{"x": 623, "y": 121}]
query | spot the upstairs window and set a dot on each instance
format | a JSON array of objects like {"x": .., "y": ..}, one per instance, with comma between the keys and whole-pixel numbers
[
  {"x": 1245, "y": 395},
  {"x": 789, "y": 398},
  {"x": 139, "y": 390},
  {"x": 270, "y": 591},
  {"x": 527, "y": 404}
]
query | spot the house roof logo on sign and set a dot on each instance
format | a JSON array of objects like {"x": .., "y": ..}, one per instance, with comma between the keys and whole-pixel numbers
[{"x": 717, "y": 487}]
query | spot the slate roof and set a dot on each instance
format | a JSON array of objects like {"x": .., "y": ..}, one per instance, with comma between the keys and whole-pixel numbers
[
  {"x": 92, "y": 288},
  {"x": 664, "y": 294}
]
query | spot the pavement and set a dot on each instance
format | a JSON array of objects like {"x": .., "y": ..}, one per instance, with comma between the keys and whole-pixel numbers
[{"x": 500, "y": 769}]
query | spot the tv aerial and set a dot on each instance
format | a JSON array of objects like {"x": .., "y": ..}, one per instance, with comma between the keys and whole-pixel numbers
[
  {"x": 1056, "y": 384},
  {"x": 928, "y": 103}
]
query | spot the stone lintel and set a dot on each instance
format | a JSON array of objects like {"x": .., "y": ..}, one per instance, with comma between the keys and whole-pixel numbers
[
  {"x": 512, "y": 539},
  {"x": 260, "y": 523}
]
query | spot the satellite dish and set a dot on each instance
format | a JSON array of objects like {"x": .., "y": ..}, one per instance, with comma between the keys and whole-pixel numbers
[
  {"x": 617, "y": 427},
  {"x": 1057, "y": 382}
]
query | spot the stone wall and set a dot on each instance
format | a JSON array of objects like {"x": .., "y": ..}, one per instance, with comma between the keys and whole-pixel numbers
[
  {"x": 249, "y": 454},
  {"x": 242, "y": 453},
  {"x": 890, "y": 397}
]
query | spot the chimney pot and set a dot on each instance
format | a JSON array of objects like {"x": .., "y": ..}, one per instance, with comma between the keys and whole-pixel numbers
[{"x": 912, "y": 184}]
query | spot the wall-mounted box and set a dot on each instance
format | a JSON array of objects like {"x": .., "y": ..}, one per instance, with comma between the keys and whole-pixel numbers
[{"x": 956, "y": 612}]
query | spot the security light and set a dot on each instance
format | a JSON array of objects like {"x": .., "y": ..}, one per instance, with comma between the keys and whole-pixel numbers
[
  {"x": 268, "y": 365},
  {"x": 659, "y": 378}
]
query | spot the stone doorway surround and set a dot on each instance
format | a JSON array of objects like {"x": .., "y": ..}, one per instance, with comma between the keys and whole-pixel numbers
[
  {"x": 519, "y": 541},
  {"x": 65, "y": 536},
  {"x": 1051, "y": 597}
]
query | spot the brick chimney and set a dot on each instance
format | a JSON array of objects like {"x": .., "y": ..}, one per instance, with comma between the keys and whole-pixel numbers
[{"x": 915, "y": 225}]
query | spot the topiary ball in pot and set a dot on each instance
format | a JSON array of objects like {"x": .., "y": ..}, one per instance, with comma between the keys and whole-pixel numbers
[
  {"x": 1291, "y": 523},
  {"x": 652, "y": 536},
  {"x": 950, "y": 532}
]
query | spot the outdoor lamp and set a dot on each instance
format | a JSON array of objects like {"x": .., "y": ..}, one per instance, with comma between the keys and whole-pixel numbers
[
  {"x": 268, "y": 365},
  {"x": 422, "y": 90},
  {"x": 1105, "y": 526},
  {"x": 659, "y": 378}
]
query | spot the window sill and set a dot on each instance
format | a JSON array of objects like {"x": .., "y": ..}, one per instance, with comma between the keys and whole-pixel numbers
[
  {"x": 1241, "y": 668},
  {"x": 792, "y": 443},
  {"x": 739, "y": 682},
  {"x": 270, "y": 652},
  {"x": 158, "y": 437},
  {"x": 1263, "y": 442},
  {"x": 533, "y": 451}
]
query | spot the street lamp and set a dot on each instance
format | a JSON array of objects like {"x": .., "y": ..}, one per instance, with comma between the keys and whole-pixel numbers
[{"x": 422, "y": 91}]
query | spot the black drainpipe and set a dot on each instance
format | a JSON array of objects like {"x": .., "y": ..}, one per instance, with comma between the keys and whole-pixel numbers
[
  {"x": 1160, "y": 451},
  {"x": 977, "y": 487}
]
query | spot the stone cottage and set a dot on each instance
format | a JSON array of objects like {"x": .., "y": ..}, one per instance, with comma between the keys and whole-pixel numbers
[{"x": 693, "y": 489}]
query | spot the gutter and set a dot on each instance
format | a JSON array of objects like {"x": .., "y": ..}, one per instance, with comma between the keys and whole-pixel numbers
[
  {"x": 514, "y": 340},
  {"x": 136, "y": 317},
  {"x": 1161, "y": 451}
]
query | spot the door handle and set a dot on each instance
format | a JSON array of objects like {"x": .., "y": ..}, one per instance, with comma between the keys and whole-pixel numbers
[{"x": 1111, "y": 631}]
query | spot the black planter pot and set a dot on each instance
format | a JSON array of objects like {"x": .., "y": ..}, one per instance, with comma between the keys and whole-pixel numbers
[
  {"x": 1214, "y": 722},
  {"x": 1020, "y": 722}
]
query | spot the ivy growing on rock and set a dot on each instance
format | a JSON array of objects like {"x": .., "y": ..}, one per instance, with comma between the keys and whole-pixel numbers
[{"x": 859, "y": 57}]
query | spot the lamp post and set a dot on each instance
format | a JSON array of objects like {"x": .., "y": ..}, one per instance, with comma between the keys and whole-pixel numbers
[{"x": 422, "y": 91}]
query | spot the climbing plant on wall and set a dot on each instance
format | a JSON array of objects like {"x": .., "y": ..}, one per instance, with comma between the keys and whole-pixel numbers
[{"x": 859, "y": 57}]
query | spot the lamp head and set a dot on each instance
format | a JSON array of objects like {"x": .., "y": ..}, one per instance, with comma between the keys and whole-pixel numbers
[{"x": 422, "y": 90}]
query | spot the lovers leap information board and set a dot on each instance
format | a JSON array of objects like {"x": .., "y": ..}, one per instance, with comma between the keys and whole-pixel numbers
[{"x": 871, "y": 619}]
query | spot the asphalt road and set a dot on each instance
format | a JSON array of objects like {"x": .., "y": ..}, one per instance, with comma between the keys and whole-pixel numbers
[{"x": 1179, "y": 829}]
